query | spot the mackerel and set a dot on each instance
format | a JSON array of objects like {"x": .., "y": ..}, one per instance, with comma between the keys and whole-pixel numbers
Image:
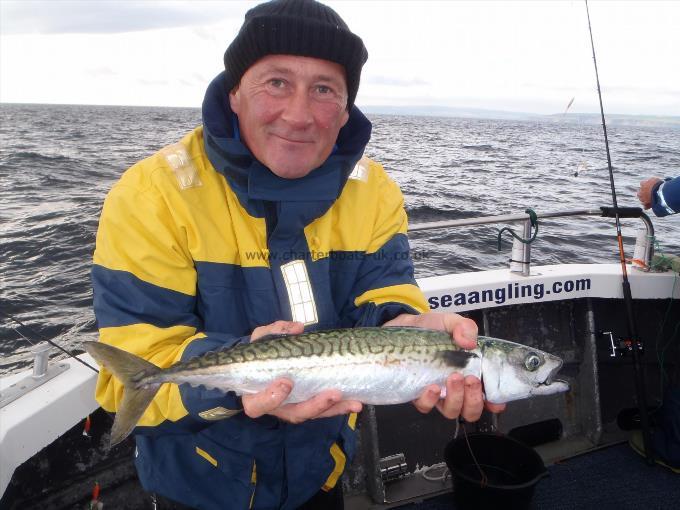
[{"x": 378, "y": 366}]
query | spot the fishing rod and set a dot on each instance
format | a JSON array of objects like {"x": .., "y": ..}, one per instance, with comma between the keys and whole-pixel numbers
[
  {"x": 627, "y": 295},
  {"x": 41, "y": 337}
]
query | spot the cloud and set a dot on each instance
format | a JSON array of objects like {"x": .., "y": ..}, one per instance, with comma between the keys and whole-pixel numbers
[
  {"x": 612, "y": 88},
  {"x": 100, "y": 72},
  {"x": 198, "y": 79},
  {"x": 87, "y": 16},
  {"x": 208, "y": 35},
  {"x": 153, "y": 83},
  {"x": 395, "y": 82},
  {"x": 652, "y": 90}
]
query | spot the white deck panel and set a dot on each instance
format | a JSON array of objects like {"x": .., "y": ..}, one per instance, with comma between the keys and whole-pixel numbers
[{"x": 35, "y": 420}]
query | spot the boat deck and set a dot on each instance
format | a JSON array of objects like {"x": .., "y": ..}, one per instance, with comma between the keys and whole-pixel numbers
[{"x": 612, "y": 477}]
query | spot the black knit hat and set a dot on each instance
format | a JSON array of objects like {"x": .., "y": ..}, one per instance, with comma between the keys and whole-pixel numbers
[{"x": 295, "y": 27}]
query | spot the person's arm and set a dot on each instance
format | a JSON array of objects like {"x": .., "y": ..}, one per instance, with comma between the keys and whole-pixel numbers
[
  {"x": 662, "y": 196},
  {"x": 144, "y": 285},
  {"x": 385, "y": 285}
]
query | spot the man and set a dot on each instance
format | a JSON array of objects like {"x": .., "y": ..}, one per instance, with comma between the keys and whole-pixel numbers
[
  {"x": 264, "y": 220},
  {"x": 661, "y": 195}
]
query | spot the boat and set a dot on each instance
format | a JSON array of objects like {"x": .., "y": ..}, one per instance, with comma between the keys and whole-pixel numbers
[{"x": 54, "y": 436}]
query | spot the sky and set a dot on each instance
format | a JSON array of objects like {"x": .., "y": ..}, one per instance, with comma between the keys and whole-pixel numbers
[{"x": 517, "y": 56}]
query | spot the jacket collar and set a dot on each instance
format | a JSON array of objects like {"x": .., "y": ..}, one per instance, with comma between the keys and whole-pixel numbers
[{"x": 254, "y": 181}]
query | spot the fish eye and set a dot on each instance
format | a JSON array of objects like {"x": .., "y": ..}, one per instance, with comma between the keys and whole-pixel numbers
[{"x": 532, "y": 361}]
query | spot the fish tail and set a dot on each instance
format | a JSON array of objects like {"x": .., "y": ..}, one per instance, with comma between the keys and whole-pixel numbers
[{"x": 128, "y": 369}]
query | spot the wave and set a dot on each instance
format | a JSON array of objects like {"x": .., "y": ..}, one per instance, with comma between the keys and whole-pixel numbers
[
  {"x": 477, "y": 161},
  {"x": 483, "y": 148},
  {"x": 31, "y": 158},
  {"x": 646, "y": 158},
  {"x": 423, "y": 213}
]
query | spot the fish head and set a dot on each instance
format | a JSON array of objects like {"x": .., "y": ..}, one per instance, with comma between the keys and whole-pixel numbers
[{"x": 512, "y": 371}]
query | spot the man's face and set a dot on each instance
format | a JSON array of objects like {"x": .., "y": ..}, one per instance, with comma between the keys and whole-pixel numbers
[{"x": 290, "y": 110}]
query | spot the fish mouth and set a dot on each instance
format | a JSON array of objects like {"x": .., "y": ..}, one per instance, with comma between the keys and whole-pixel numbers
[
  {"x": 550, "y": 381},
  {"x": 550, "y": 386}
]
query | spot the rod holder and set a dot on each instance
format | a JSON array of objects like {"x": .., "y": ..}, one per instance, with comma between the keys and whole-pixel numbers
[
  {"x": 520, "y": 260},
  {"x": 644, "y": 249},
  {"x": 41, "y": 353}
]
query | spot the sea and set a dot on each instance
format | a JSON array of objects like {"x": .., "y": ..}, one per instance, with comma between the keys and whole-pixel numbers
[{"x": 58, "y": 162}]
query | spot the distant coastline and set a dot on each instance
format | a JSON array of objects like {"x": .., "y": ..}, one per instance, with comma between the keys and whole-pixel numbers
[
  {"x": 613, "y": 119},
  {"x": 479, "y": 113}
]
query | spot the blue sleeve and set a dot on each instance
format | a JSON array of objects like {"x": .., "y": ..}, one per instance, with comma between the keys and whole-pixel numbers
[{"x": 666, "y": 197}]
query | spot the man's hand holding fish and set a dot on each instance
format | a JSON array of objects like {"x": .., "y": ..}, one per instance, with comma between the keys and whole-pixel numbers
[
  {"x": 271, "y": 400},
  {"x": 464, "y": 395}
]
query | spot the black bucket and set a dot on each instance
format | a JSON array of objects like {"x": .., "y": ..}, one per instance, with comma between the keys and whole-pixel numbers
[{"x": 512, "y": 471}]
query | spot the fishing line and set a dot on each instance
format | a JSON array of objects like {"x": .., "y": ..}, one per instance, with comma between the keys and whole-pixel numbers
[
  {"x": 41, "y": 337},
  {"x": 484, "y": 480},
  {"x": 582, "y": 165},
  {"x": 23, "y": 336},
  {"x": 627, "y": 295}
]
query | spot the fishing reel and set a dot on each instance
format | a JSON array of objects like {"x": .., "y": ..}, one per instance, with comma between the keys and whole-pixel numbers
[{"x": 621, "y": 346}]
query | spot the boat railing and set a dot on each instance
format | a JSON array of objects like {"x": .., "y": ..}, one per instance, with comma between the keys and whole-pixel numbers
[{"x": 520, "y": 260}]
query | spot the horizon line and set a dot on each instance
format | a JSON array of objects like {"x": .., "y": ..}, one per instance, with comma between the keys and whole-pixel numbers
[{"x": 373, "y": 107}]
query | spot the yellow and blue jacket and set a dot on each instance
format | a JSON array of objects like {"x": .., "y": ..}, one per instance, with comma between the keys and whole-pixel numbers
[{"x": 200, "y": 244}]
